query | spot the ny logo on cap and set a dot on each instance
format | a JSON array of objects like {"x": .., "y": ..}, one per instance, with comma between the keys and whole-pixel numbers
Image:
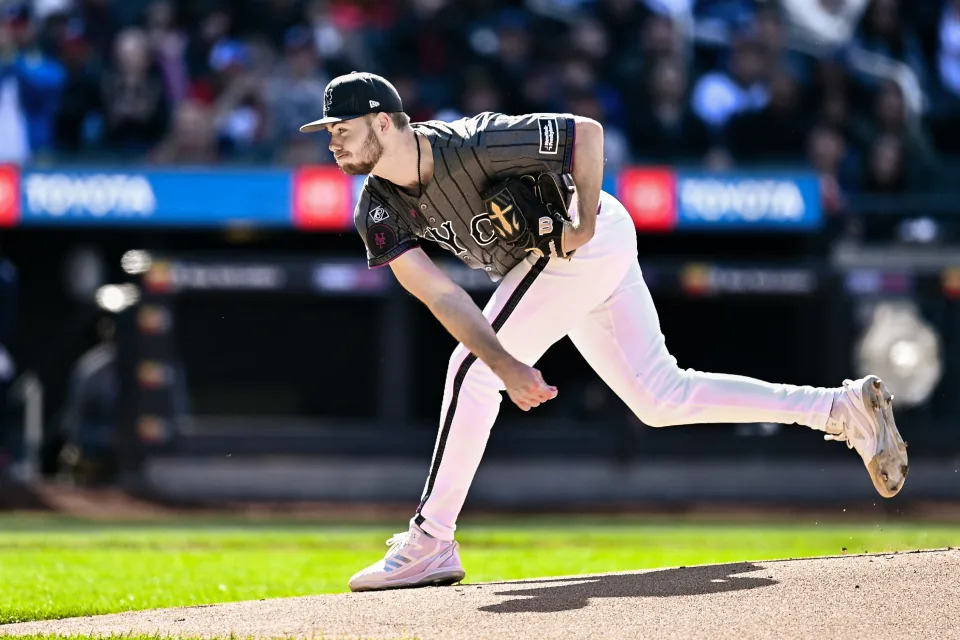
[{"x": 327, "y": 100}]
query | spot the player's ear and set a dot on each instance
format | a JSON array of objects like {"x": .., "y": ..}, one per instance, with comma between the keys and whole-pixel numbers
[{"x": 382, "y": 122}]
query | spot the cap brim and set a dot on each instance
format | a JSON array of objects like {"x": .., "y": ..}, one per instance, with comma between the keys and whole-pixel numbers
[{"x": 317, "y": 125}]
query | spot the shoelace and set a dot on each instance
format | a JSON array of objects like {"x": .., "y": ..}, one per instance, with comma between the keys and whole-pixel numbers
[
  {"x": 396, "y": 541},
  {"x": 840, "y": 437}
]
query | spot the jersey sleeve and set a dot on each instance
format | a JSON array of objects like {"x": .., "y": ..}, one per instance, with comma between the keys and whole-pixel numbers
[
  {"x": 537, "y": 141},
  {"x": 382, "y": 229}
]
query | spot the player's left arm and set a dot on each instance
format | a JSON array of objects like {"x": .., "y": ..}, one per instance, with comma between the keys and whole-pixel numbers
[{"x": 588, "y": 178}]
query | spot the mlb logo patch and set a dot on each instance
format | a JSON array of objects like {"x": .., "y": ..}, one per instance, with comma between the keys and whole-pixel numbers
[{"x": 548, "y": 135}]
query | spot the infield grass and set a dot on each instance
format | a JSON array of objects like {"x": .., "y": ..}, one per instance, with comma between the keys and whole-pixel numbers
[{"x": 52, "y": 567}]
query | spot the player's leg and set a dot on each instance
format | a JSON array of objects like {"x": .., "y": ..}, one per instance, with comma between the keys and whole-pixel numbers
[
  {"x": 534, "y": 306},
  {"x": 520, "y": 312},
  {"x": 622, "y": 341}
]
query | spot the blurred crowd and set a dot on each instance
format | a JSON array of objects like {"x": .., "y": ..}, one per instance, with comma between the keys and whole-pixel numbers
[{"x": 865, "y": 91}]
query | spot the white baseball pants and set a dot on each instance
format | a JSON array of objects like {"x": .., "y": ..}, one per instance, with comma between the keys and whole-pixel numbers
[{"x": 600, "y": 300}]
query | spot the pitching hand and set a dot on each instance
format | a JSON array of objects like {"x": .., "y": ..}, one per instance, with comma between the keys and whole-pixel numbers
[{"x": 525, "y": 385}]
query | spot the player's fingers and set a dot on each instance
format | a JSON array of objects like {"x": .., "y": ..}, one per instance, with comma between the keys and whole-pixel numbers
[
  {"x": 546, "y": 392},
  {"x": 520, "y": 402}
]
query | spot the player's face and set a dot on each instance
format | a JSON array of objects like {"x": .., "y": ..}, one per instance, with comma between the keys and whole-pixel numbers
[{"x": 355, "y": 147}]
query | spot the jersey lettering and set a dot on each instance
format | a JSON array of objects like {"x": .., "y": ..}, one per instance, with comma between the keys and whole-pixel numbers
[
  {"x": 446, "y": 237},
  {"x": 546, "y": 225},
  {"x": 482, "y": 234}
]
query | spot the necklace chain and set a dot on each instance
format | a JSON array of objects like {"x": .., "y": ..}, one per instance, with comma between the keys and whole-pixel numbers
[{"x": 416, "y": 139}]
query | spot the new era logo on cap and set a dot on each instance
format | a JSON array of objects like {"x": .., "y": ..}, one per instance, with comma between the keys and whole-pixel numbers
[{"x": 374, "y": 104}]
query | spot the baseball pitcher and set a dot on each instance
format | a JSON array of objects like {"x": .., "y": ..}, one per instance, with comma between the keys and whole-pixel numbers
[{"x": 520, "y": 198}]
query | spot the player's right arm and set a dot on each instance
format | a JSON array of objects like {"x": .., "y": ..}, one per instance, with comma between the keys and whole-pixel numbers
[{"x": 457, "y": 312}]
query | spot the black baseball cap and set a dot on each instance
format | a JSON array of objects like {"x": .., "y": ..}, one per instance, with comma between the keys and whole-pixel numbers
[{"x": 353, "y": 95}]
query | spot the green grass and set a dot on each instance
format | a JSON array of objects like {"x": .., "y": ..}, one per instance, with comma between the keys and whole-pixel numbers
[{"x": 56, "y": 567}]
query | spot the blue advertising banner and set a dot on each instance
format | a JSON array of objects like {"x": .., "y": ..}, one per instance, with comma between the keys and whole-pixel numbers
[
  {"x": 175, "y": 198},
  {"x": 659, "y": 199},
  {"x": 739, "y": 201}
]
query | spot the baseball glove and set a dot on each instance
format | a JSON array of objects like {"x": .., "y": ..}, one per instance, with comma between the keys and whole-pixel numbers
[{"x": 530, "y": 211}]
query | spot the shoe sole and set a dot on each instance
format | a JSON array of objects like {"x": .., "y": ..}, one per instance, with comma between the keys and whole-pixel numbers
[
  {"x": 892, "y": 457},
  {"x": 441, "y": 578}
]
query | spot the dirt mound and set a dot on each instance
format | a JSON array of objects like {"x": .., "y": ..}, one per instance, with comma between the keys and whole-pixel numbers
[{"x": 901, "y": 595}]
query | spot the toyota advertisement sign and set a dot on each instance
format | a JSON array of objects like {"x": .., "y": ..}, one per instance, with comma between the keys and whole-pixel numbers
[
  {"x": 659, "y": 199},
  {"x": 171, "y": 198},
  {"x": 748, "y": 201}
]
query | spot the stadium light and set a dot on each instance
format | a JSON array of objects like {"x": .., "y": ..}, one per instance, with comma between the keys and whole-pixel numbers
[
  {"x": 903, "y": 349},
  {"x": 117, "y": 297},
  {"x": 136, "y": 261}
]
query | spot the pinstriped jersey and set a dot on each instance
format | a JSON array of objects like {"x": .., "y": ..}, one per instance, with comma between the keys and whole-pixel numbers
[{"x": 469, "y": 155}]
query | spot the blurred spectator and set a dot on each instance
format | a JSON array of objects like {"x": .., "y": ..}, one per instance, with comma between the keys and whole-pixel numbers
[
  {"x": 890, "y": 117},
  {"x": 409, "y": 87},
  {"x": 430, "y": 59},
  {"x": 883, "y": 32},
  {"x": 480, "y": 94},
  {"x": 623, "y": 20},
  {"x": 134, "y": 98},
  {"x": 663, "y": 127},
  {"x": 719, "y": 95},
  {"x": 541, "y": 90},
  {"x": 512, "y": 56},
  {"x": 616, "y": 147},
  {"x": 90, "y": 415},
  {"x": 944, "y": 117},
  {"x": 240, "y": 104},
  {"x": 169, "y": 47},
  {"x": 30, "y": 88},
  {"x": 213, "y": 27},
  {"x": 193, "y": 138},
  {"x": 830, "y": 156},
  {"x": 272, "y": 18},
  {"x": 948, "y": 60},
  {"x": 771, "y": 36},
  {"x": 824, "y": 24},
  {"x": 835, "y": 96},
  {"x": 724, "y": 15},
  {"x": 7, "y": 375},
  {"x": 78, "y": 123},
  {"x": 777, "y": 132},
  {"x": 885, "y": 172},
  {"x": 8, "y": 281},
  {"x": 657, "y": 38},
  {"x": 339, "y": 40},
  {"x": 295, "y": 91}
]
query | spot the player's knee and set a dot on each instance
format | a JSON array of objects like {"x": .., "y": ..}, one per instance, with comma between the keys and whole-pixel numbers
[
  {"x": 656, "y": 404},
  {"x": 653, "y": 415}
]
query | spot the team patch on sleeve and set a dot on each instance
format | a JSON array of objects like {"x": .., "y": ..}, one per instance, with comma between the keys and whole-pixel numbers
[
  {"x": 548, "y": 135},
  {"x": 381, "y": 239},
  {"x": 379, "y": 214}
]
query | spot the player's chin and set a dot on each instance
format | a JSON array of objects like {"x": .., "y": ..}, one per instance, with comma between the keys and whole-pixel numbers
[{"x": 355, "y": 169}]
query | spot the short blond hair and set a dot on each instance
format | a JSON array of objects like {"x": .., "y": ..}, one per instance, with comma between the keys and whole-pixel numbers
[{"x": 400, "y": 120}]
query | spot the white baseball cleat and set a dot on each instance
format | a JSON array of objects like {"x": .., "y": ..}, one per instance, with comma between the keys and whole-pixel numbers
[
  {"x": 862, "y": 416},
  {"x": 415, "y": 559}
]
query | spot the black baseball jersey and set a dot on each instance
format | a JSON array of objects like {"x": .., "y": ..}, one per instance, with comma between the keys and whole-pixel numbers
[{"x": 469, "y": 155}]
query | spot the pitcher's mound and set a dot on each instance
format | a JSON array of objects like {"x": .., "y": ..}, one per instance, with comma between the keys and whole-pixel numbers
[{"x": 897, "y": 595}]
